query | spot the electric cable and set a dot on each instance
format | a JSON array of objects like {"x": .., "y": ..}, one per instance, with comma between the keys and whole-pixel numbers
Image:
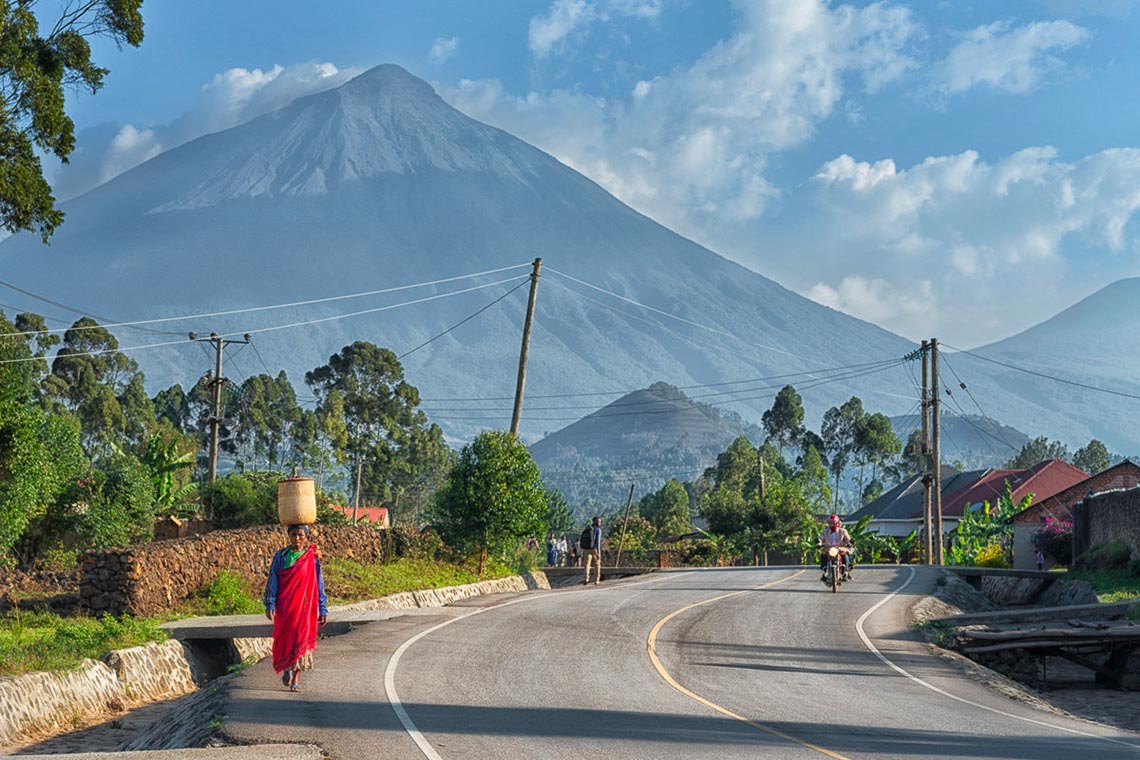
[
  {"x": 463, "y": 321},
  {"x": 30, "y": 294},
  {"x": 252, "y": 309},
  {"x": 1086, "y": 386}
]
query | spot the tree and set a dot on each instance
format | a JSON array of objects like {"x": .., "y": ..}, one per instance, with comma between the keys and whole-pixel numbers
[
  {"x": 117, "y": 501},
  {"x": 371, "y": 416},
  {"x": 173, "y": 406},
  {"x": 1092, "y": 458},
  {"x": 1036, "y": 451},
  {"x": 39, "y": 456},
  {"x": 23, "y": 345},
  {"x": 840, "y": 432},
  {"x": 667, "y": 509},
  {"x": 169, "y": 458},
  {"x": 35, "y": 71},
  {"x": 875, "y": 444},
  {"x": 784, "y": 421},
  {"x": 493, "y": 497},
  {"x": 558, "y": 519}
]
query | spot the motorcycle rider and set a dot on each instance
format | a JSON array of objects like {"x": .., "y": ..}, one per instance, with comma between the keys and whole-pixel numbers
[{"x": 835, "y": 535}]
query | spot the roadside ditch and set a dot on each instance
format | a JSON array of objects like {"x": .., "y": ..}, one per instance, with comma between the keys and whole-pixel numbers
[
  {"x": 1029, "y": 609},
  {"x": 169, "y": 695}
]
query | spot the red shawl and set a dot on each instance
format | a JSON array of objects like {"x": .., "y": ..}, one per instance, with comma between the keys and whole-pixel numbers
[{"x": 295, "y": 621}]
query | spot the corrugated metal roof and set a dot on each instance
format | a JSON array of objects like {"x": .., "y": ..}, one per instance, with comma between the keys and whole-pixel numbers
[{"x": 1043, "y": 480}]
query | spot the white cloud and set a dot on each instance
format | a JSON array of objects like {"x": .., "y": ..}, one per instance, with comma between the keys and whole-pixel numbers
[
  {"x": 690, "y": 147},
  {"x": 442, "y": 49},
  {"x": 878, "y": 301},
  {"x": 549, "y": 33},
  {"x": 1011, "y": 59},
  {"x": 1000, "y": 244},
  {"x": 230, "y": 98}
]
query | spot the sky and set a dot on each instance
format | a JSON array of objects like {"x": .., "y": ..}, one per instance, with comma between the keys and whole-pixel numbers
[{"x": 951, "y": 169}]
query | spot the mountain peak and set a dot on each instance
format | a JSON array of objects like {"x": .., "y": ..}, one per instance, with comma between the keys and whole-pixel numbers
[{"x": 385, "y": 121}]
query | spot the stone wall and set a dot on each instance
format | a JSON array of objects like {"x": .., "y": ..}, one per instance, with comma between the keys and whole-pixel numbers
[
  {"x": 150, "y": 579},
  {"x": 1105, "y": 518}
]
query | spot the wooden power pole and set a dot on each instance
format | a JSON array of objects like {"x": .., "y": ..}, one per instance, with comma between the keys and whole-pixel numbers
[
  {"x": 927, "y": 478},
  {"x": 216, "y": 384},
  {"x": 517, "y": 415},
  {"x": 624, "y": 525},
  {"x": 936, "y": 433}
]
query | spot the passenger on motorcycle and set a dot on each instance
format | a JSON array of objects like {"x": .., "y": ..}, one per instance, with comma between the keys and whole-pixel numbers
[{"x": 835, "y": 535}]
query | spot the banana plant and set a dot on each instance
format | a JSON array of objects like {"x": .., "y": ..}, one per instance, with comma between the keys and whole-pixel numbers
[{"x": 164, "y": 461}]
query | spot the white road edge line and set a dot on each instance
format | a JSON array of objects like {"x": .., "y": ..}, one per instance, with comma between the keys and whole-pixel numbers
[
  {"x": 875, "y": 651},
  {"x": 394, "y": 661}
]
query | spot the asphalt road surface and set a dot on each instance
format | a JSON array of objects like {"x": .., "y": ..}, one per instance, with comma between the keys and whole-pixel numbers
[{"x": 730, "y": 663}]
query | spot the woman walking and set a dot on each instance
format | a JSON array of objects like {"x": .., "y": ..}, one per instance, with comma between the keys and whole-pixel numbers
[{"x": 295, "y": 601}]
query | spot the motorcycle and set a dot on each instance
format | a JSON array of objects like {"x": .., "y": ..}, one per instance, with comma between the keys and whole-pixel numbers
[{"x": 835, "y": 571}]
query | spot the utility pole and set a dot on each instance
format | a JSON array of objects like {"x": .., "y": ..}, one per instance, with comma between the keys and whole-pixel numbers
[
  {"x": 534, "y": 275},
  {"x": 936, "y": 432},
  {"x": 216, "y": 383},
  {"x": 927, "y": 479},
  {"x": 762, "y": 495},
  {"x": 624, "y": 525}
]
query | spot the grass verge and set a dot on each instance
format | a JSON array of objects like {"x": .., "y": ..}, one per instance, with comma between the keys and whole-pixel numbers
[
  {"x": 1111, "y": 585},
  {"x": 37, "y": 641},
  {"x": 349, "y": 581}
]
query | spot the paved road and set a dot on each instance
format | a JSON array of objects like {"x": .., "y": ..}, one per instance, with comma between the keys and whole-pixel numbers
[{"x": 779, "y": 671}]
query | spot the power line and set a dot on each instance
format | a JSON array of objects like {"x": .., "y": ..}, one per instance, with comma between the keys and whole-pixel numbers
[
  {"x": 1086, "y": 386},
  {"x": 18, "y": 310},
  {"x": 463, "y": 321},
  {"x": 624, "y": 391},
  {"x": 664, "y": 313},
  {"x": 252, "y": 309},
  {"x": 285, "y": 326},
  {"x": 45, "y": 299},
  {"x": 979, "y": 406}
]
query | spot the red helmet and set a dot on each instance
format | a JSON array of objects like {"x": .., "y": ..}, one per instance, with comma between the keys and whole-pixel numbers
[{"x": 833, "y": 522}]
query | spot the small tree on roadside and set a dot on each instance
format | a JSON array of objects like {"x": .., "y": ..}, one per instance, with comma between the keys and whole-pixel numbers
[
  {"x": 667, "y": 509},
  {"x": 493, "y": 497},
  {"x": 1093, "y": 458}
]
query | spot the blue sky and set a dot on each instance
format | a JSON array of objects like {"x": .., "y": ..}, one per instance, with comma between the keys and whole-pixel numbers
[{"x": 941, "y": 168}]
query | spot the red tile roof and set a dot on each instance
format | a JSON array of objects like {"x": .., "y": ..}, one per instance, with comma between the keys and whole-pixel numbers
[
  {"x": 377, "y": 515},
  {"x": 1043, "y": 480},
  {"x": 1059, "y": 505}
]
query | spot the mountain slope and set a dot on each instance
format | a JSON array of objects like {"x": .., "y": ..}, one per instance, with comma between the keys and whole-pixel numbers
[{"x": 380, "y": 183}]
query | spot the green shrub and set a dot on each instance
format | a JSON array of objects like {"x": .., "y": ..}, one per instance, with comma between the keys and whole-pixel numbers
[
  {"x": 417, "y": 544},
  {"x": 1115, "y": 555},
  {"x": 228, "y": 594},
  {"x": 699, "y": 553},
  {"x": 1134, "y": 567},
  {"x": 243, "y": 499},
  {"x": 992, "y": 555}
]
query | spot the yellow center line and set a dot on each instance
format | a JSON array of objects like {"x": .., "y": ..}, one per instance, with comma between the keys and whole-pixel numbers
[{"x": 652, "y": 643}]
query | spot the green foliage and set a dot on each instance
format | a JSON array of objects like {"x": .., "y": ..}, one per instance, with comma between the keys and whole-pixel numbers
[
  {"x": 370, "y": 416},
  {"x": 558, "y": 519},
  {"x": 115, "y": 505},
  {"x": 701, "y": 552},
  {"x": 747, "y": 519},
  {"x": 243, "y": 499},
  {"x": 22, "y": 365},
  {"x": 39, "y": 457},
  {"x": 347, "y": 580},
  {"x": 667, "y": 509},
  {"x": 228, "y": 594},
  {"x": 985, "y": 527},
  {"x": 493, "y": 496},
  {"x": 991, "y": 555},
  {"x": 1093, "y": 458},
  {"x": 41, "y": 641},
  {"x": 415, "y": 544},
  {"x": 640, "y": 536},
  {"x": 1110, "y": 556},
  {"x": 784, "y": 421},
  {"x": 1111, "y": 584},
  {"x": 35, "y": 72},
  {"x": 1037, "y": 450},
  {"x": 169, "y": 469},
  {"x": 840, "y": 435}
]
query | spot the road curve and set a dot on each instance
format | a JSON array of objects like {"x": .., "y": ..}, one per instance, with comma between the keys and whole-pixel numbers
[{"x": 763, "y": 662}]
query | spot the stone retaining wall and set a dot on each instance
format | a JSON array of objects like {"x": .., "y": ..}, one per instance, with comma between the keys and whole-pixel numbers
[
  {"x": 1105, "y": 518},
  {"x": 150, "y": 579}
]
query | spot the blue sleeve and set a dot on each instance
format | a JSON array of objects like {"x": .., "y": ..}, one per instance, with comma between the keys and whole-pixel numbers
[
  {"x": 598, "y": 538},
  {"x": 271, "y": 584},
  {"x": 322, "y": 600}
]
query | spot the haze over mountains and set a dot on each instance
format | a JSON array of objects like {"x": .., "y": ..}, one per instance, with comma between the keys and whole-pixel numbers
[{"x": 379, "y": 183}]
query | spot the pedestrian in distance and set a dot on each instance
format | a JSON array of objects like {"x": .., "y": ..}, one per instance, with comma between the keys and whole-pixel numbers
[
  {"x": 590, "y": 544},
  {"x": 551, "y": 551},
  {"x": 296, "y": 603},
  {"x": 563, "y": 551},
  {"x": 1040, "y": 557}
]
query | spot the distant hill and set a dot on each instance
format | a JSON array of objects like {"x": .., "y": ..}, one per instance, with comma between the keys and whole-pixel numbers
[
  {"x": 644, "y": 438},
  {"x": 973, "y": 440}
]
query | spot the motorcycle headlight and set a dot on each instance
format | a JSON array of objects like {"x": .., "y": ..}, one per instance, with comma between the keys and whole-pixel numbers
[{"x": 833, "y": 551}]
